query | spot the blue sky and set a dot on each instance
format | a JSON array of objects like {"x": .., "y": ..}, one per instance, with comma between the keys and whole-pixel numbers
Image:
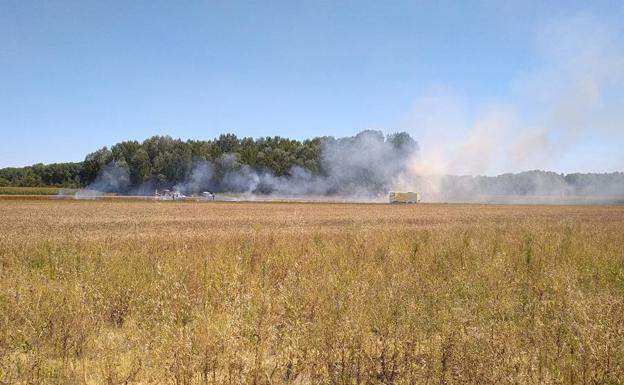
[{"x": 78, "y": 75}]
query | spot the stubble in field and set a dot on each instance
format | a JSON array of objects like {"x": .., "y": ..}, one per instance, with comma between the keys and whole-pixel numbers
[{"x": 270, "y": 293}]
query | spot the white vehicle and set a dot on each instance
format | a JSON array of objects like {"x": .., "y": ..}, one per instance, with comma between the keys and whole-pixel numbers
[{"x": 169, "y": 195}]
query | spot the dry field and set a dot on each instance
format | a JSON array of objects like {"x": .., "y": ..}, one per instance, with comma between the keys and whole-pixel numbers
[{"x": 114, "y": 292}]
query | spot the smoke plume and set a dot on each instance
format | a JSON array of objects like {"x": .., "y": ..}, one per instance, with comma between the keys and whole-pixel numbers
[
  {"x": 565, "y": 114},
  {"x": 365, "y": 166},
  {"x": 114, "y": 178},
  {"x": 554, "y": 117}
]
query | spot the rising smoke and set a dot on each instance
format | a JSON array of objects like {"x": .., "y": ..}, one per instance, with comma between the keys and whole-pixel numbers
[
  {"x": 364, "y": 166},
  {"x": 562, "y": 114},
  {"x": 112, "y": 179},
  {"x": 554, "y": 117}
]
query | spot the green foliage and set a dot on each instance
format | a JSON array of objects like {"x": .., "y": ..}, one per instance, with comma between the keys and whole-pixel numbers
[
  {"x": 12, "y": 190},
  {"x": 161, "y": 161},
  {"x": 56, "y": 174}
]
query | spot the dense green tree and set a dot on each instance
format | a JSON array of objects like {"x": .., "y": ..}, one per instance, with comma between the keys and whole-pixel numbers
[
  {"x": 94, "y": 163},
  {"x": 29, "y": 178},
  {"x": 161, "y": 161},
  {"x": 140, "y": 167},
  {"x": 124, "y": 151}
]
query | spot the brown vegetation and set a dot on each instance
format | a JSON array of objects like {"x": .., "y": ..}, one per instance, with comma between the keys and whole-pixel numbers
[{"x": 121, "y": 292}]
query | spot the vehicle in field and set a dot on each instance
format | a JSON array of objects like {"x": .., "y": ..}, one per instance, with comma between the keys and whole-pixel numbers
[
  {"x": 404, "y": 197},
  {"x": 169, "y": 195}
]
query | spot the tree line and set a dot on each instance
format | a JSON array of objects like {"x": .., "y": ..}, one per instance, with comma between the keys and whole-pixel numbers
[
  {"x": 366, "y": 163},
  {"x": 163, "y": 162}
]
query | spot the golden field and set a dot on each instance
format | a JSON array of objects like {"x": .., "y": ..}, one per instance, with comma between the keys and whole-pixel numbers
[{"x": 147, "y": 292}]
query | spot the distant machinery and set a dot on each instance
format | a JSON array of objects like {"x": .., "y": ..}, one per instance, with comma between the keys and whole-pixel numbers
[
  {"x": 404, "y": 197},
  {"x": 207, "y": 195},
  {"x": 169, "y": 195}
]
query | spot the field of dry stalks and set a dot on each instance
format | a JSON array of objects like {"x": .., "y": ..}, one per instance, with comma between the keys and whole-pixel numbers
[{"x": 114, "y": 292}]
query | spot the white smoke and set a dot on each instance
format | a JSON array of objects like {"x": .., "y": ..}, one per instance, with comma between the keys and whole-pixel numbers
[
  {"x": 362, "y": 166},
  {"x": 200, "y": 180},
  {"x": 113, "y": 178},
  {"x": 556, "y": 116}
]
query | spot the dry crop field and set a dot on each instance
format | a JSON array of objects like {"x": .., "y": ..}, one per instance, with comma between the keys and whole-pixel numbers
[{"x": 123, "y": 292}]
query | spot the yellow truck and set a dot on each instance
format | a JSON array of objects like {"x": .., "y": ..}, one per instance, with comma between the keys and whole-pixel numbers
[{"x": 404, "y": 197}]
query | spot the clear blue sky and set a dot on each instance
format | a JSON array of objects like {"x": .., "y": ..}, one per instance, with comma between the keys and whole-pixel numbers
[{"x": 78, "y": 75}]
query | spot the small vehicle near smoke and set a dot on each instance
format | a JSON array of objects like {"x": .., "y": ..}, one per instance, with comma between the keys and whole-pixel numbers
[
  {"x": 169, "y": 195},
  {"x": 207, "y": 195},
  {"x": 404, "y": 197}
]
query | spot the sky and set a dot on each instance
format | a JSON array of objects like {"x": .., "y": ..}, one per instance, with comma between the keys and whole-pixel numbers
[{"x": 485, "y": 86}]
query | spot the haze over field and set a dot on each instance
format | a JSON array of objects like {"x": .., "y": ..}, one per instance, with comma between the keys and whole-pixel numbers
[
  {"x": 363, "y": 168},
  {"x": 360, "y": 168},
  {"x": 492, "y": 90}
]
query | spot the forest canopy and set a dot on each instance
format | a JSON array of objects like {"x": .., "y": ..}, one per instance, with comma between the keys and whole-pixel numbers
[
  {"x": 164, "y": 162},
  {"x": 367, "y": 164}
]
